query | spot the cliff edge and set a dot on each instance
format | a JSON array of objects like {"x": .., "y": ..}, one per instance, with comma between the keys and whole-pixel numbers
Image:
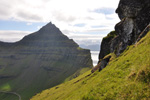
[{"x": 134, "y": 24}]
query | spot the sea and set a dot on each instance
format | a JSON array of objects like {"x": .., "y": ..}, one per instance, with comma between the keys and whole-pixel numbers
[{"x": 94, "y": 55}]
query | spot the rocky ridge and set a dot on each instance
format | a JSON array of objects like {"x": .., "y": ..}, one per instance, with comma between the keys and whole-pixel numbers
[{"x": 134, "y": 24}]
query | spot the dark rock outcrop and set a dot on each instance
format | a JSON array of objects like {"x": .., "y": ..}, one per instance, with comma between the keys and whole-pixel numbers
[
  {"x": 106, "y": 44},
  {"x": 135, "y": 17},
  {"x": 134, "y": 24},
  {"x": 40, "y": 60},
  {"x": 102, "y": 64}
]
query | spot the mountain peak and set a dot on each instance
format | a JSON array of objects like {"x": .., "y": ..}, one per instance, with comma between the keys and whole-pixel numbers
[
  {"x": 50, "y": 29},
  {"x": 50, "y": 24},
  {"x": 48, "y": 33},
  {"x": 40, "y": 60}
]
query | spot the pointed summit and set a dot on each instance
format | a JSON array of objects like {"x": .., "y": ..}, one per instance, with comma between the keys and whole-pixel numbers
[
  {"x": 49, "y": 35},
  {"x": 50, "y": 28}
]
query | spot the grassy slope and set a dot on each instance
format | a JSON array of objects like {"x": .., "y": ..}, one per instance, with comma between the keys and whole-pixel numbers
[{"x": 126, "y": 77}]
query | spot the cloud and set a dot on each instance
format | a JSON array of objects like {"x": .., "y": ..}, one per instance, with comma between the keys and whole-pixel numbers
[
  {"x": 54, "y": 10},
  {"x": 71, "y": 16},
  {"x": 29, "y": 23},
  {"x": 80, "y": 25},
  {"x": 5, "y": 10},
  {"x": 104, "y": 10},
  {"x": 86, "y": 39},
  {"x": 12, "y": 36},
  {"x": 23, "y": 16}
]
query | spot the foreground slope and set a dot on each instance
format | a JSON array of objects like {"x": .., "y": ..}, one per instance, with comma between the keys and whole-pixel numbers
[
  {"x": 125, "y": 77},
  {"x": 39, "y": 61}
]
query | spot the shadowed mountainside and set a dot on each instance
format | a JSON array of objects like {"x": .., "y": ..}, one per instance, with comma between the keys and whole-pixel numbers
[{"x": 40, "y": 60}]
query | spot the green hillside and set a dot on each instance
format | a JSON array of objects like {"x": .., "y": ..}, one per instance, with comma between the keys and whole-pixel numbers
[{"x": 126, "y": 77}]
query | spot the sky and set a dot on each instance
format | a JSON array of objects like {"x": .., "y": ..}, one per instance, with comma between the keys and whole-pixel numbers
[{"x": 85, "y": 21}]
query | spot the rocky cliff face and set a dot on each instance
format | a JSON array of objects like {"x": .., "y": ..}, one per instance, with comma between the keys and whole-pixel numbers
[
  {"x": 135, "y": 17},
  {"x": 39, "y": 61},
  {"x": 134, "y": 24}
]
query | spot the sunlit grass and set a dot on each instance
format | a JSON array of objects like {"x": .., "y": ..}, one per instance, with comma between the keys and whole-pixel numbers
[
  {"x": 5, "y": 87},
  {"x": 125, "y": 78}
]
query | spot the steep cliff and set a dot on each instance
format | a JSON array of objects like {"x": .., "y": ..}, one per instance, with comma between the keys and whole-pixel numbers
[
  {"x": 40, "y": 60},
  {"x": 134, "y": 24}
]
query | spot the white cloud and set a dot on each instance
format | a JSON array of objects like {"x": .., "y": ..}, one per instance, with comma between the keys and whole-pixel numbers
[
  {"x": 86, "y": 39},
  {"x": 12, "y": 36},
  {"x": 65, "y": 14},
  {"x": 29, "y": 23},
  {"x": 61, "y": 12}
]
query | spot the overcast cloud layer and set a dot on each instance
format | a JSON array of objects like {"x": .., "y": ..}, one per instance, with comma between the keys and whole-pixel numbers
[{"x": 83, "y": 20}]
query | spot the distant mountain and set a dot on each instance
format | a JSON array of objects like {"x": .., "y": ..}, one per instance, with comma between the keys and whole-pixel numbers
[{"x": 39, "y": 61}]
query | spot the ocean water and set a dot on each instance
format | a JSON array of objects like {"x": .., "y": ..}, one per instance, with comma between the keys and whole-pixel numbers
[{"x": 94, "y": 55}]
